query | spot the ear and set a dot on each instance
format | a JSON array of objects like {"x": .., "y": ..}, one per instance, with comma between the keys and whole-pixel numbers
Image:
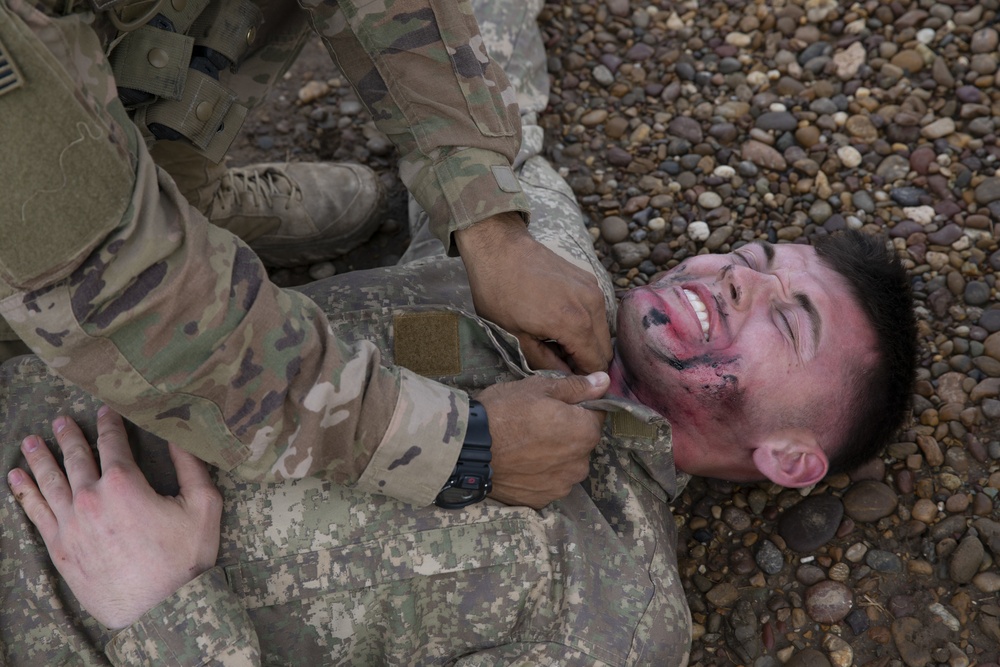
[{"x": 791, "y": 458}]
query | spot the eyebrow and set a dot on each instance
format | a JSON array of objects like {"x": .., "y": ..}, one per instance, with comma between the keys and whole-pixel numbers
[
  {"x": 768, "y": 248},
  {"x": 803, "y": 299},
  {"x": 817, "y": 322}
]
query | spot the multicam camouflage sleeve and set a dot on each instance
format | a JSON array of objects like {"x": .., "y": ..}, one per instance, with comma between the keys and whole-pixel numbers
[
  {"x": 203, "y": 623},
  {"x": 422, "y": 69},
  {"x": 112, "y": 278}
]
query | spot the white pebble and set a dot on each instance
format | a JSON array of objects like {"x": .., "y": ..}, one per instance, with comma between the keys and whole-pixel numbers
[
  {"x": 756, "y": 78},
  {"x": 946, "y": 616},
  {"x": 849, "y": 156},
  {"x": 856, "y": 552},
  {"x": 698, "y": 231},
  {"x": 709, "y": 200},
  {"x": 925, "y": 36},
  {"x": 777, "y": 107},
  {"x": 922, "y": 214},
  {"x": 840, "y": 117},
  {"x": 656, "y": 224},
  {"x": 856, "y": 27},
  {"x": 853, "y": 222},
  {"x": 738, "y": 39},
  {"x": 724, "y": 171}
]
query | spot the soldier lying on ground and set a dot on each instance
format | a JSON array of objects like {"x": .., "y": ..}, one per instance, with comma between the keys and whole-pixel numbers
[
  {"x": 111, "y": 276},
  {"x": 779, "y": 362}
]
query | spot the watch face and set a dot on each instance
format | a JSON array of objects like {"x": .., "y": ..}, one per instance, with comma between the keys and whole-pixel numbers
[{"x": 456, "y": 497}]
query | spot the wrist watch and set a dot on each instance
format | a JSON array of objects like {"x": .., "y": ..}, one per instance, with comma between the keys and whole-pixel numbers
[{"x": 472, "y": 477}]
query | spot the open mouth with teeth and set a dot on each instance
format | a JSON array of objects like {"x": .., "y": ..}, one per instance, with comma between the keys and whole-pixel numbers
[{"x": 700, "y": 309}]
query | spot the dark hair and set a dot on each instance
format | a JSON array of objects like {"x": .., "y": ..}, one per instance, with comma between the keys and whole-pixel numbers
[{"x": 879, "y": 398}]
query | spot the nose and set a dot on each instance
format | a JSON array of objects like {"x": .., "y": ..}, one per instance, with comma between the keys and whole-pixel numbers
[{"x": 743, "y": 286}]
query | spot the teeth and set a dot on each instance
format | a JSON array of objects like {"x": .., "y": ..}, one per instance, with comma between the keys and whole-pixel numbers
[{"x": 700, "y": 309}]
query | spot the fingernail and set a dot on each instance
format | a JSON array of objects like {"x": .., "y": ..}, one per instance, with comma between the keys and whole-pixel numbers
[
  {"x": 59, "y": 425},
  {"x": 15, "y": 477},
  {"x": 598, "y": 379},
  {"x": 29, "y": 444},
  {"x": 103, "y": 411}
]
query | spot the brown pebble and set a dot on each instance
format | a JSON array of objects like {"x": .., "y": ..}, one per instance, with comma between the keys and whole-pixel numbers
[
  {"x": 982, "y": 505},
  {"x": 828, "y": 601},
  {"x": 924, "y": 510},
  {"x": 906, "y": 633},
  {"x": 957, "y": 503},
  {"x": 905, "y": 481},
  {"x": 869, "y": 501},
  {"x": 723, "y": 594},
  {"x": 931, "y": 450}
]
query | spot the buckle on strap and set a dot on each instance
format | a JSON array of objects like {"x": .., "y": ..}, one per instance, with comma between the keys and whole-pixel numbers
[
  {"x": 207, "y": 114},
  {"x": 228, "y": 27},
  {"x": 154, "y": 61}
]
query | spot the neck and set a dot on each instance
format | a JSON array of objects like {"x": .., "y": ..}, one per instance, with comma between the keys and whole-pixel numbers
[{"x": 619, "y": 386}]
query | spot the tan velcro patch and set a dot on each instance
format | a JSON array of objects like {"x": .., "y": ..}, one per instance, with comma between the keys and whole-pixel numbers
[
  {"x": 428, "y": 343},
  {"x": 67, "y": 180},
  {"x": 505, "y": 178},
  {"x": 626, "y": 425}
]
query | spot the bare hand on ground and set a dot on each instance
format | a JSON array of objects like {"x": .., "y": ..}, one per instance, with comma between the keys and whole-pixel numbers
[
  {"x": 536, "y": 295},
  {"x": 542, "y": 440},
  {"x": 120, "y": 546}
]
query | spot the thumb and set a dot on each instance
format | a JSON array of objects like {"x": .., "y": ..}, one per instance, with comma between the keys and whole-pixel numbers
[
  {"x": 191, "y": 471},
  {"x": 576, "y": 388}
]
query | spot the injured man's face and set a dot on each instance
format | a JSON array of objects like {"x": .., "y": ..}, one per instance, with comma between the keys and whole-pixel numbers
[{"x": 747, "y": 355}]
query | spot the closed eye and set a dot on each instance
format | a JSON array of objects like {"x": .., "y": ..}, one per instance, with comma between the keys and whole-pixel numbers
[
  {"x": 788, "y": 325},
  {"x": 748, "y": 260}
]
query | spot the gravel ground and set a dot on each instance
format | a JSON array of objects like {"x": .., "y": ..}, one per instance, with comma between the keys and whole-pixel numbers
[{"x": 687, "y": 128}]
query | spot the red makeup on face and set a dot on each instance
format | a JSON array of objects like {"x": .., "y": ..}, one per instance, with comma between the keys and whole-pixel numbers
[{"x": 722, "y": 343}]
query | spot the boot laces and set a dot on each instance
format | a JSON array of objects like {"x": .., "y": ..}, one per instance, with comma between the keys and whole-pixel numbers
[{"x": 259, "y": 185}]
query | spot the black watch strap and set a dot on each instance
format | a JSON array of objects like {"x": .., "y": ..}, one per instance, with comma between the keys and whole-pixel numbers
[{"x": 472, "y": 477}]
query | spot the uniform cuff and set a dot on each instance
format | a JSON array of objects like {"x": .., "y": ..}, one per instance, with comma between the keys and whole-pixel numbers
[
  {"x": 203, "y": 622},
  {"x": 426, "y": 412},
  {"x": 465, "y": 187}
]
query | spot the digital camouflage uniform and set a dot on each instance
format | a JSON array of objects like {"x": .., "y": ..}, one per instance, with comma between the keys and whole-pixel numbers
[{"x": 98, "y": 244}]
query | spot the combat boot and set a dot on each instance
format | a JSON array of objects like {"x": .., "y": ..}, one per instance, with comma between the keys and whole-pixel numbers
[
  {"x": 299, "y": 213},
  {"x": 290, "y": 214}
]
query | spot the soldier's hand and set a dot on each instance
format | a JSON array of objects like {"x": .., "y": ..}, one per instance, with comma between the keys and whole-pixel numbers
[
  {"x": 536, "y": 295},
  {"x": 542, "y": 440},
  {"x": 120, "y": 546}
]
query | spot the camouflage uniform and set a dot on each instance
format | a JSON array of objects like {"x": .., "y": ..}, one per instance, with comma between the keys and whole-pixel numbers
[
  {"x": 97, "y": 243},
  {"x": 311, "y": 572}
]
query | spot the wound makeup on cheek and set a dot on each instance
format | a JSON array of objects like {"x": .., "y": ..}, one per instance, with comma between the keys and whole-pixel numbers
[
  {"x": 727, "y": 393},
  {"x": 703, "y": 360},
  {"x": 721, "y": 307},
  {"x": 655, "y": 316},
  {"x": 666, "y": 358}
]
